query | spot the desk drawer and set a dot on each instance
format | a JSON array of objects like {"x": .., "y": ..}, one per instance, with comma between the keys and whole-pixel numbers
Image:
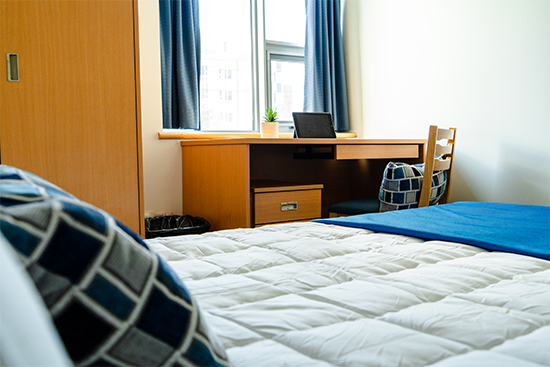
[
  {"x": 377, "y": 151},
  {"x": 286, "y": 206}
]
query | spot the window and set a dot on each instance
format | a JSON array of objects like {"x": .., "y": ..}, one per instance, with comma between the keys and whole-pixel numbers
[
  {"x": 226, "y": 44},
  {"x": 285, "y": 21},
  {"x": 286, "y": 85},
  {"x": 285, "y": 57},
  {"x": 256, "y": 69}
]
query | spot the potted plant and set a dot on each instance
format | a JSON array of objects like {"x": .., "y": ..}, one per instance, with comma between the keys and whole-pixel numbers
[{"x": 270, "y": 126}]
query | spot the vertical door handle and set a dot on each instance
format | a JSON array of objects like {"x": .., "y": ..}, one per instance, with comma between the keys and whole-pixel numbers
[{"x": 13, "y": 67}]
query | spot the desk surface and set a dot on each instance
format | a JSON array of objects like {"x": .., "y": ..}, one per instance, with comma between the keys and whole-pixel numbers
[{"x": 353, "y": 141}]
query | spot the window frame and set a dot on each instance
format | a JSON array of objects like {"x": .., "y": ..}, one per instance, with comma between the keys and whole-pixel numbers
[{"x": 282, "y": 51}]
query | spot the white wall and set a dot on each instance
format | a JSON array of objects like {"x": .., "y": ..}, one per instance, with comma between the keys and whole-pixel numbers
[
  {"x": 161, "y": 158},
  {"x": 482, "y": 66}
]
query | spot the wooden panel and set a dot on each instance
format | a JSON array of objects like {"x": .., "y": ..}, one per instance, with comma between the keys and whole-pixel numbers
[
  {"x": 216, "y": 184},
  {"x": 442, "y": 165},
  {"x": 445, "y": 134},
  {"x": 267, "y": 206},
  {"x": 72, "y": 117},
  {"x": 376, "y": 151},
  {"x": 443, "y": 149}
]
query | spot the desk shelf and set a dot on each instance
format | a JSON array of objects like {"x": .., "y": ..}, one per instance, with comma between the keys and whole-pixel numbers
[{"x": 314, "y": 152}]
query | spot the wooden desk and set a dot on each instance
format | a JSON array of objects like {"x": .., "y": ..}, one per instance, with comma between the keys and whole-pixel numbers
[{"x": 217, "y": 173}]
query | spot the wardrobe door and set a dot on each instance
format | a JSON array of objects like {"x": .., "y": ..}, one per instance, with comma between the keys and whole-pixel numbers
[{"x": 73, "y": 116}]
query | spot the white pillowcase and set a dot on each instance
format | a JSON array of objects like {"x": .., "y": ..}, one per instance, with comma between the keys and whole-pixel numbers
[{"x": 27, "y": 334}]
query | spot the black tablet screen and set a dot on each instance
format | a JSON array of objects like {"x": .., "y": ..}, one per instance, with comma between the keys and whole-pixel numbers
[{"x": 313, "y": 125}]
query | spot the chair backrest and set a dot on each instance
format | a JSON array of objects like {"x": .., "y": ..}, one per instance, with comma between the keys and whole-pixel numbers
[{"x": 439, "y": 157}]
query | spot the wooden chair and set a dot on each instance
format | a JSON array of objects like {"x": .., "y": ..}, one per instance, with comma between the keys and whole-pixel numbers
[{"x": 439, "y": 157}]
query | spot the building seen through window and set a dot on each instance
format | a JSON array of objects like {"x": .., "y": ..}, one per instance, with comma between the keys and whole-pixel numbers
[
  {"x": 242, "y": 71},
  {"x": 226, "y": 97},
  {"x": 287, "y": 86}
]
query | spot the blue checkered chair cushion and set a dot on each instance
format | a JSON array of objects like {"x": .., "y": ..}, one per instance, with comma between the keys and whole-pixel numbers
[
  {"x": 113, "y": 301},
  {"x": 401, "y": 185}
]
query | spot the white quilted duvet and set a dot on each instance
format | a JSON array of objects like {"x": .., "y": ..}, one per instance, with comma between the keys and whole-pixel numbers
[{"x": 311, "y": 294}]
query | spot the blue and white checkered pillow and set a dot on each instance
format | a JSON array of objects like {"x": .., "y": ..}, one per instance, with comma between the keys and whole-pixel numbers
[
  {"x": 113, "y": 301},
  {"x": 401, "y": 185}
]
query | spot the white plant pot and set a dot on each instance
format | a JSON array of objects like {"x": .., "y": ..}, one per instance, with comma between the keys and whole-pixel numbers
[{"x": 269, "y": 129}]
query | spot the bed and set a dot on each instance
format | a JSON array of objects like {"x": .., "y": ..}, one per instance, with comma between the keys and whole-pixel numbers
[
  {"x": 317, "y": 294},
  {"x": 355, "y": 291}
]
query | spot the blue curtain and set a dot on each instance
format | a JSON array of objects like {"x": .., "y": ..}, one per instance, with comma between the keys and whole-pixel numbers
[
  {"x": 325, "y": 81},
  {"x": 180, "y": 63}
]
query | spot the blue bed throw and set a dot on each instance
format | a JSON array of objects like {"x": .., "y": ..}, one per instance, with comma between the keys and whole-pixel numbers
[{"x": 521, "y": 229}]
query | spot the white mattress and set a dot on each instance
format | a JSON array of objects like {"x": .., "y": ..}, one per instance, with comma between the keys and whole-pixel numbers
[{"x": 311, "y": 294}]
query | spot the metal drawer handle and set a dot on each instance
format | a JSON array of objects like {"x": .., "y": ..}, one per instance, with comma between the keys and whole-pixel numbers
[
  {"x": 289, "y": 206},
  {"x": 13, "y": 67}
]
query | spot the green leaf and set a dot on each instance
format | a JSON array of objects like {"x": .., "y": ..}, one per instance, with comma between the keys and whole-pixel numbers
[{"x": 270, "y": 115}]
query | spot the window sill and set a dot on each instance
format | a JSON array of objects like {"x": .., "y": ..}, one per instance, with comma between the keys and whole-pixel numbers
[{"x": 200, "y": 135}]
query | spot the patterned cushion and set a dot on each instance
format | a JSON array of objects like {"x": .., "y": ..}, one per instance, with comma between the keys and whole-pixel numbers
[
  {"x": 113, "y": 301},
  {"x": 402, "y": 183}
]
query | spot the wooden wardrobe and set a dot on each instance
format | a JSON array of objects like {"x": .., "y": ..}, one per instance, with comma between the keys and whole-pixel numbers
[{"x": 74, "y": 115}]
